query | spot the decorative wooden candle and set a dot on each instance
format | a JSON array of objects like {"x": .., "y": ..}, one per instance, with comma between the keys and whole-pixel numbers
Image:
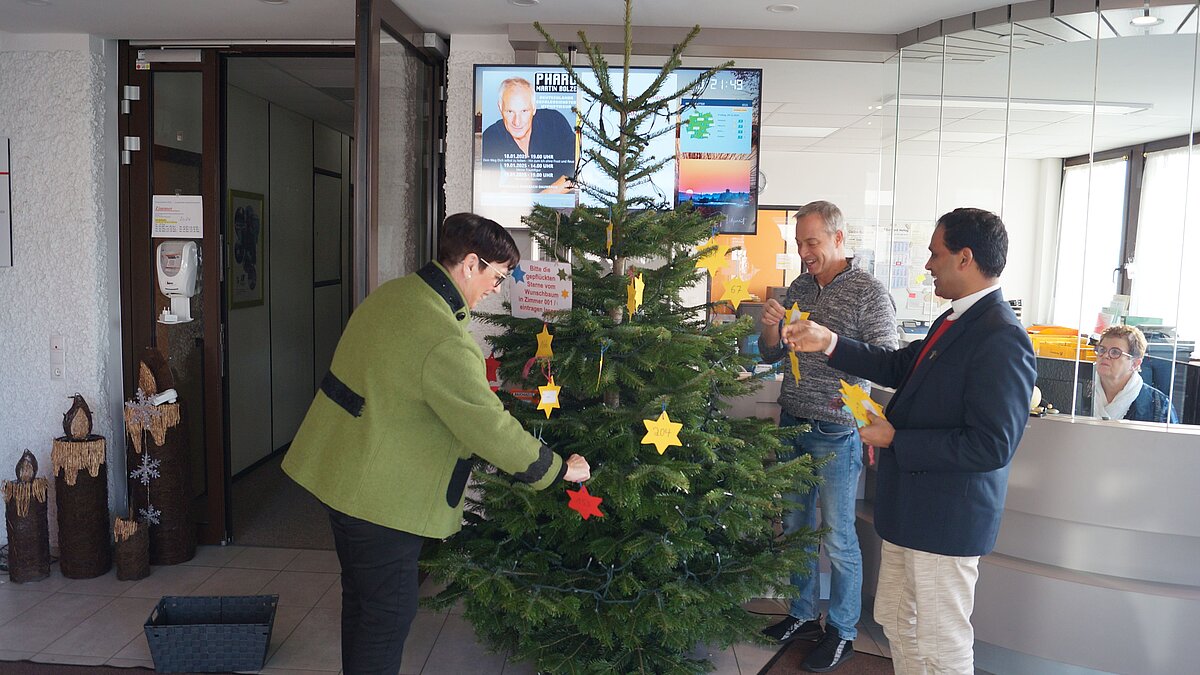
[
  {"x": 81, "y": 494},
  {"x": 28, "y": 528}
]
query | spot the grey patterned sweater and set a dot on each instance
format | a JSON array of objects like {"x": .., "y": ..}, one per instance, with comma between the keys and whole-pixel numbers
[{"x": 855, "y": 305}]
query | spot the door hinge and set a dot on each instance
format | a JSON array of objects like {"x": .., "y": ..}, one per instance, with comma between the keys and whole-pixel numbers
[
  {"x": 129, "y": 93},
  {"x": 129, "y": 145},
  {"x": 221, "y": 353}
]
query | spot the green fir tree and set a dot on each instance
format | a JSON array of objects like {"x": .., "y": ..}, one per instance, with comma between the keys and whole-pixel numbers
[{"x": 686, "y": 536}]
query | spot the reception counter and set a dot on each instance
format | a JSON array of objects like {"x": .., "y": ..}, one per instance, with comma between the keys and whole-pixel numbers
[{"x": 1097, "y": 566}]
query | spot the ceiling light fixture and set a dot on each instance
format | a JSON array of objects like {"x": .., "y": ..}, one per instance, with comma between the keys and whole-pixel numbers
[
  {"x": 798, "y": 132},
  {"x": 1145, "y": 20},
  {"x": 999, "y": 103},
  {"x": 782, "y": 9},
  {"x": 524, "y": 3},
  {"x": 38, "y": 3},
  {"x": 275, "y": 2}
]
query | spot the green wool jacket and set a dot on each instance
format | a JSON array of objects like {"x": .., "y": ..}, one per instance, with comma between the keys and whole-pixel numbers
[{"x": 390, "y": 436}]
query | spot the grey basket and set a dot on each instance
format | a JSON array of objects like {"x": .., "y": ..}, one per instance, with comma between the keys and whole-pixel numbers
[{"x": 211, "y": 634}]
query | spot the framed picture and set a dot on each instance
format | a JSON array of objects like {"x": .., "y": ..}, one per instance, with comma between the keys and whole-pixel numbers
[{"x": 246, "y": 232}]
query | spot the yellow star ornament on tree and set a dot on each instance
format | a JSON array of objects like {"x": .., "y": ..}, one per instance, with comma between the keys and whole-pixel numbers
[
  {"x": 549, "y": 401},
  {"x": 662, "y": 433},
  {"x": 714, "y": 259},
  {"x": 544, "y": 339},
  {"x": 637, "y": 289},
  {"x": 736, "y": 291},
  {"x": 791, "y": 316}
]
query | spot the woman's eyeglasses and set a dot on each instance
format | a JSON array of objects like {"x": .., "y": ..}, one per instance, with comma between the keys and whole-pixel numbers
[
  {"x": 500, "y": 279},
  {"x": 1111, "y": 352}
]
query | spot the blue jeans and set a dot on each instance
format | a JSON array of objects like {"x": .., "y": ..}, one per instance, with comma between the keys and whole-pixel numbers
[{"x": 839, "y": 484}]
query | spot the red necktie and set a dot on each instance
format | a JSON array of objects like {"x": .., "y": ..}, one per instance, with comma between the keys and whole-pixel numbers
[{"x": 929, "y": 342}]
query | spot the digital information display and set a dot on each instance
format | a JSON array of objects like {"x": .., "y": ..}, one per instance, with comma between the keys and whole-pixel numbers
[{"x": 528, "y": 149}]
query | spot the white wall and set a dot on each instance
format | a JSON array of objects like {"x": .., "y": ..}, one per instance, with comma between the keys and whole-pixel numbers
[{"x": 57, "y": 95}]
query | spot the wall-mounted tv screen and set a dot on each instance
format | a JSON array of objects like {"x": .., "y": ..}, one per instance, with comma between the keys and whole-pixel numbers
[{"x": 528, "y": 149}]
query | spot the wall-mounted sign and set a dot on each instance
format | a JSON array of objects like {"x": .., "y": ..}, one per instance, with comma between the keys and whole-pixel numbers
[
  {"x": 5, "y": 207},
  {"x": 177, "y": 217}
]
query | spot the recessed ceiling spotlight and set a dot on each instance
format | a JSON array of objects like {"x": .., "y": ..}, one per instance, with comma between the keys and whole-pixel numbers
[
  {"x": 782, "y": 9},
  {"x": 524, "y": 3},
  {"x": 1145, "y": 20},
  {"x": 275, "y": 2},
  {"x": 38, "y": 3}
]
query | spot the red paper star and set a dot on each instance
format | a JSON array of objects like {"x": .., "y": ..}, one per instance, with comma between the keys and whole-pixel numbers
[
  {"x": 584, "y": 503},
  {"x": 493, "y": 370}
]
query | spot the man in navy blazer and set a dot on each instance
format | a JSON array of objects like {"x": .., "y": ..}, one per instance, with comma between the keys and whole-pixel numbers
[{"x": 951, "y": 429}]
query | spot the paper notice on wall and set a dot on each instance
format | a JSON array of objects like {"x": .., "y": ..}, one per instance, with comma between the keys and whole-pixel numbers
[
  {"x": 177, "y": 217},
  {"x": 5, "y": 207},
  {"x": 785, "y": 261},
  {"x": 539, "y": 287}
]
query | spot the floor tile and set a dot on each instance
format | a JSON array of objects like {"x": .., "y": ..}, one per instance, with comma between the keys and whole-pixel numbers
[
  {"x": 315, "y": 644},
  {"x": 69, "y": 659},
  {"x": 301, "y": 589},
  {"x": 136, "y": 649},
  {"x": 129, "y": 663},
  {"x": 170, "y": 580},
  {"x": 253, "y": 557},
  {"x": 422, "y": 635},
  {"x": 315, "y": 561},
  {"x": 332, "y": 599},
  {"x": 291, "y": 671},
  {"x": 752, "y": 657},
  {"x": 105, "y": 584},
  {"x": 519, "y": 668},
  {"x": 49, "y": 620},
  {"x": 214, "y": 556},
  {"x": 13, "y": 603},
  {"x": 457, "y": 651},
  {"x": 107, "y": 631},
  {"x": 233, "y": 581},
  {"x": 286, "y": 620},
  {"x": 724, "y": 661},
  {"x": 50, "y": 584},
  {"x": 11, "y": 655}
]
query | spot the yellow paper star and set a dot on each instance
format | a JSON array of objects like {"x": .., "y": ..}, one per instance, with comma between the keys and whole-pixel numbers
[
  {"x": 791, "y": 314},
  {"x": 662, "y": 433},
  {"x": 714, "y": 259},
  {"x": 608, "y": 237},
  {"x": 549, "y": 401},
  {"x": 858, "y": 402},
  {"x": 637, "y": 288},
  {"x": 565, "y": 293},
  {"x": 544, "y": 339},
  {"x": 735, "y": 291}
]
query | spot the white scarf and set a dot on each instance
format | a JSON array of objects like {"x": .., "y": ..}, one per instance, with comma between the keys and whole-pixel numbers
[{"x": 1120, "y": 404}]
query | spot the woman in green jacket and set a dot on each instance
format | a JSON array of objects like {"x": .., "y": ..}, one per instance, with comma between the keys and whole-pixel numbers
[{"x": 389, "y": 440}]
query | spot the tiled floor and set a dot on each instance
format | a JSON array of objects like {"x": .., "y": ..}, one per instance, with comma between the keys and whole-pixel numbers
[{"x": 99, "y": 621}]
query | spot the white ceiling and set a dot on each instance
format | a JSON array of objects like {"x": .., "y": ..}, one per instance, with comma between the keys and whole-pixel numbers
[
  {"x": 334, "y": 19},
  {"x": 1053, "y": 60}
]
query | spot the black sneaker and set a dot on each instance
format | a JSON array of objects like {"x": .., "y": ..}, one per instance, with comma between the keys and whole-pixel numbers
[
  {"x": 792, "y": 628},
  {"x": 831, "y": 652}
]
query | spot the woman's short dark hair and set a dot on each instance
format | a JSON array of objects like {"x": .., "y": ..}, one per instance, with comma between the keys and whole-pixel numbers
[
  {"x": 465, "y": 233},
  {"x": 981, "y": 231}
]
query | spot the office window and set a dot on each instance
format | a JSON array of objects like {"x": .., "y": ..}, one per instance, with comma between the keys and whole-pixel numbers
[
  {"x": 1091, "y": 227},
  {"x": 1168, "y": 242}
]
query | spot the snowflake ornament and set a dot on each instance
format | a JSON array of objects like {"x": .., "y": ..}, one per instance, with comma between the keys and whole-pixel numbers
[
  {"x": 147, "y": 470},
  {"x": 150, "y": 514}
]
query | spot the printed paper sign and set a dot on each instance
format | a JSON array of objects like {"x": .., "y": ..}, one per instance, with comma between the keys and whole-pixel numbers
[
  {"x": 540, "y": 286},
  {"x": 177, "y": 217}
]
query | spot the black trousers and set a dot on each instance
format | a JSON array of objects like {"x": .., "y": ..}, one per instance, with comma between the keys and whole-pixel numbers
[{"x": 379, "y": 593}]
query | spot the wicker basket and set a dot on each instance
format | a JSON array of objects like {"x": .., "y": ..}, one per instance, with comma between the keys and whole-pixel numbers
[
  {"x": 211, "y": 634},
  {"x": 81, "y": 494}
]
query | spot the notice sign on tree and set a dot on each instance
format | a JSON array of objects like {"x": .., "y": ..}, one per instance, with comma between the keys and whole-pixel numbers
[
  {"x": 5, "y": 208},
  {"x": 540, "y": 287}
]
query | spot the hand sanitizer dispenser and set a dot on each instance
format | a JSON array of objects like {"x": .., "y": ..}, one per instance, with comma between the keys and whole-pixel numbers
[{"x": 177, "y": 263}]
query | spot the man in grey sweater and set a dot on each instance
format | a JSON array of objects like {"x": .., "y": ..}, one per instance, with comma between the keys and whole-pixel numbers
[{"x": 851, "y": 302}]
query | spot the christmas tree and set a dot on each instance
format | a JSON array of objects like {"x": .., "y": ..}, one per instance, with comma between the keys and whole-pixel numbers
[{"x": 685, "y": 533}]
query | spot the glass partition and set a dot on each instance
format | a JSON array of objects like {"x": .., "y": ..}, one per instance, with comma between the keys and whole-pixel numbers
[{"x": 1076, "y": 129}]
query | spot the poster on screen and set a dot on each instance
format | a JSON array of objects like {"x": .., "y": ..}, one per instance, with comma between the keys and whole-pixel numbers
[{"x": 6, "y": 259}]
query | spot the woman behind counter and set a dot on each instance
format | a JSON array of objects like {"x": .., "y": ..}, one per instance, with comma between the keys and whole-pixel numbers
[
  {"x": 1117, "y": 388},
  {"x": 390, "y": 439}
]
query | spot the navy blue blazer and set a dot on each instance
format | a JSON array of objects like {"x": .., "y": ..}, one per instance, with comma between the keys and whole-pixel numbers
[{"x": 940, "y": 487}]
